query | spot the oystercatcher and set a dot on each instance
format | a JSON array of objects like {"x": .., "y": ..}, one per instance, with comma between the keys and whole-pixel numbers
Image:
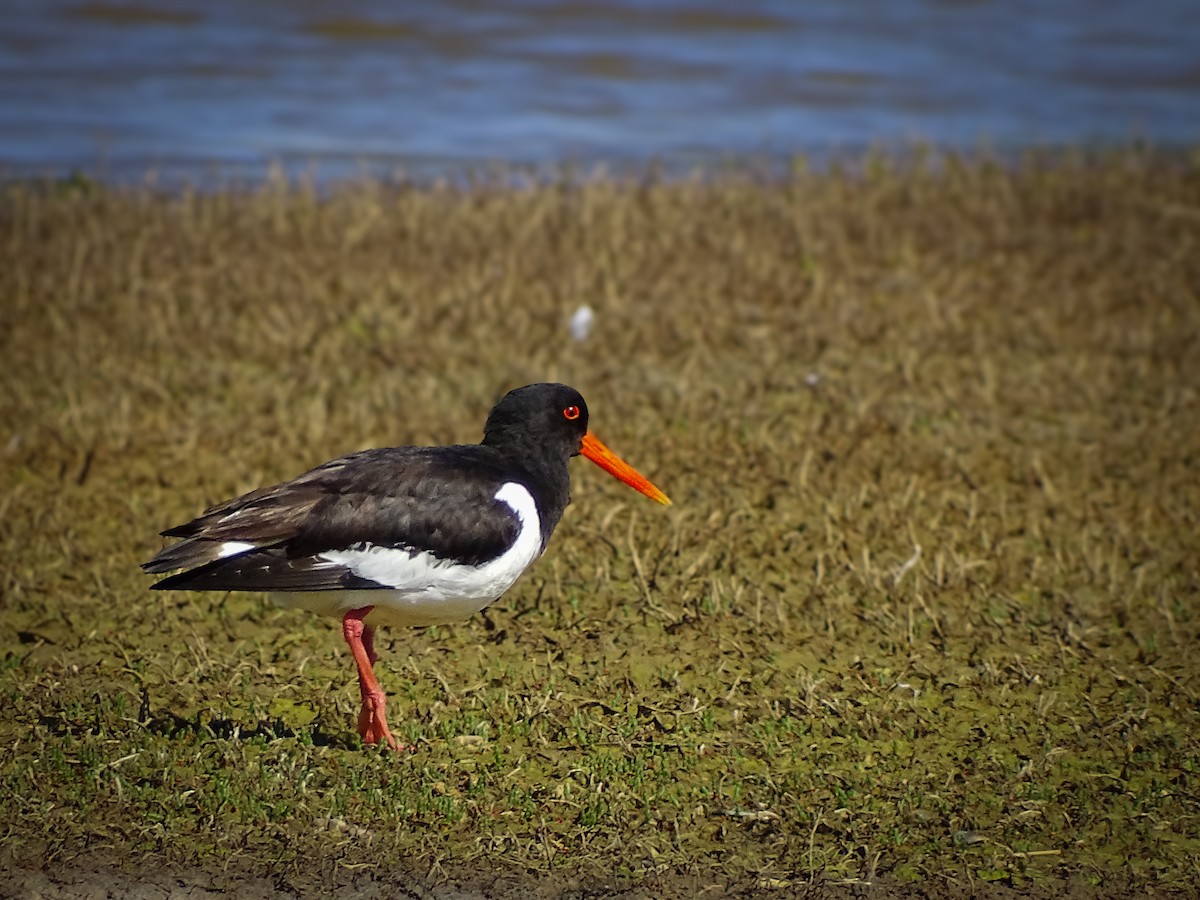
[{"x": 403, "y": 535}]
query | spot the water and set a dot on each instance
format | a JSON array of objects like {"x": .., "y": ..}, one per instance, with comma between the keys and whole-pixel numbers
[{"x": 192, "y": 88}]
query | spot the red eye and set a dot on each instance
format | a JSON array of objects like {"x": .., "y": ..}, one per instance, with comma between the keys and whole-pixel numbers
[{"x": 571, "y": 413}]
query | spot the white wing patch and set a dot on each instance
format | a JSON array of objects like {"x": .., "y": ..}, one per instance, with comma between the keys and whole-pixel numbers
[
  {"x": 427, "y": 590},
  {"x": 233, "y": 548}
]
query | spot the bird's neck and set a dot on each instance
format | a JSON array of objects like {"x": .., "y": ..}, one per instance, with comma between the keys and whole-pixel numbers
[{"x": 545, "y": 474}]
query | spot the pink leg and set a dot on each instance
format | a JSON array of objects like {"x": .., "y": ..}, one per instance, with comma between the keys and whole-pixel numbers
[
  {"x": 368, "y": 639},
  {"x": 372, "y": 721}
]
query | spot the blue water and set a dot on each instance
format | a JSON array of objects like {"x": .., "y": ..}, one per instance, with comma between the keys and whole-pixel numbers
[{"x": 190, "y": 89}]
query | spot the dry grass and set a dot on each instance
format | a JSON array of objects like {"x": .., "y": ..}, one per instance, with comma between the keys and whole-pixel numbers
[{"x": 925, "y": 608}]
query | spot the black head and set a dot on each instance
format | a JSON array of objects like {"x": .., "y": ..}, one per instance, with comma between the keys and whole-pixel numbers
[
  {"x": 553, "y": 417},
  {"x": 541, "y": 426}
]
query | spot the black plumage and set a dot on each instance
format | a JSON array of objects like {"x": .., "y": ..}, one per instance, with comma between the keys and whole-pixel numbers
[{"x": 438, "y": 500}]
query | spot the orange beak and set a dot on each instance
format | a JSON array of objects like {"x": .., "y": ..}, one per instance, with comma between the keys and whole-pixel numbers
[{"x": 594, "y": 449}]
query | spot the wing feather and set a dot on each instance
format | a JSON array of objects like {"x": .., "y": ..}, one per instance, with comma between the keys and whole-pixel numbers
[
  {"x": 435, "y": 500},
  {"x": 268, "y": 570}
]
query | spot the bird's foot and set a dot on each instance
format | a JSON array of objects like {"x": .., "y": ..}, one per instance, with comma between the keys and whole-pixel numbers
[{"x": 372, "y": 723}]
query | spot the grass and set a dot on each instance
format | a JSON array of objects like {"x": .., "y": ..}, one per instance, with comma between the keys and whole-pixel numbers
[{"x": 924, "y": 611}]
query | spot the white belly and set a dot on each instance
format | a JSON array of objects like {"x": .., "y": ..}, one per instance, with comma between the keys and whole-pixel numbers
[{"x": 424, "y": 590}]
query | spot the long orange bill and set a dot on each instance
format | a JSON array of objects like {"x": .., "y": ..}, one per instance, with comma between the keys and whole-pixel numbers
[{"x": 594, "y": 449}]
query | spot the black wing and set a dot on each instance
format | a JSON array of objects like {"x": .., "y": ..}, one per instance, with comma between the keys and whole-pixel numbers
[
  {"x": 437, "y": 500},
  {"x": 267, "y": 570}
]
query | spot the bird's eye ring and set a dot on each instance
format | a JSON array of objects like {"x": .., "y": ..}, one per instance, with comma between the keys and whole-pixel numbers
[{"x": 571, "y": 413}]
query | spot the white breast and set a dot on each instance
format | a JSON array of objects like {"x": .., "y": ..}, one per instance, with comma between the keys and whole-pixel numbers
[{"x": 427, "y": 590}]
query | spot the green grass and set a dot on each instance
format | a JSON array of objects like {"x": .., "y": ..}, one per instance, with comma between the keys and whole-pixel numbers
[{"x": 924, "y": 610}]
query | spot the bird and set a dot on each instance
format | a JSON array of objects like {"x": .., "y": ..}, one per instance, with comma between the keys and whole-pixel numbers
[{"x": 407, "y": 536}]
